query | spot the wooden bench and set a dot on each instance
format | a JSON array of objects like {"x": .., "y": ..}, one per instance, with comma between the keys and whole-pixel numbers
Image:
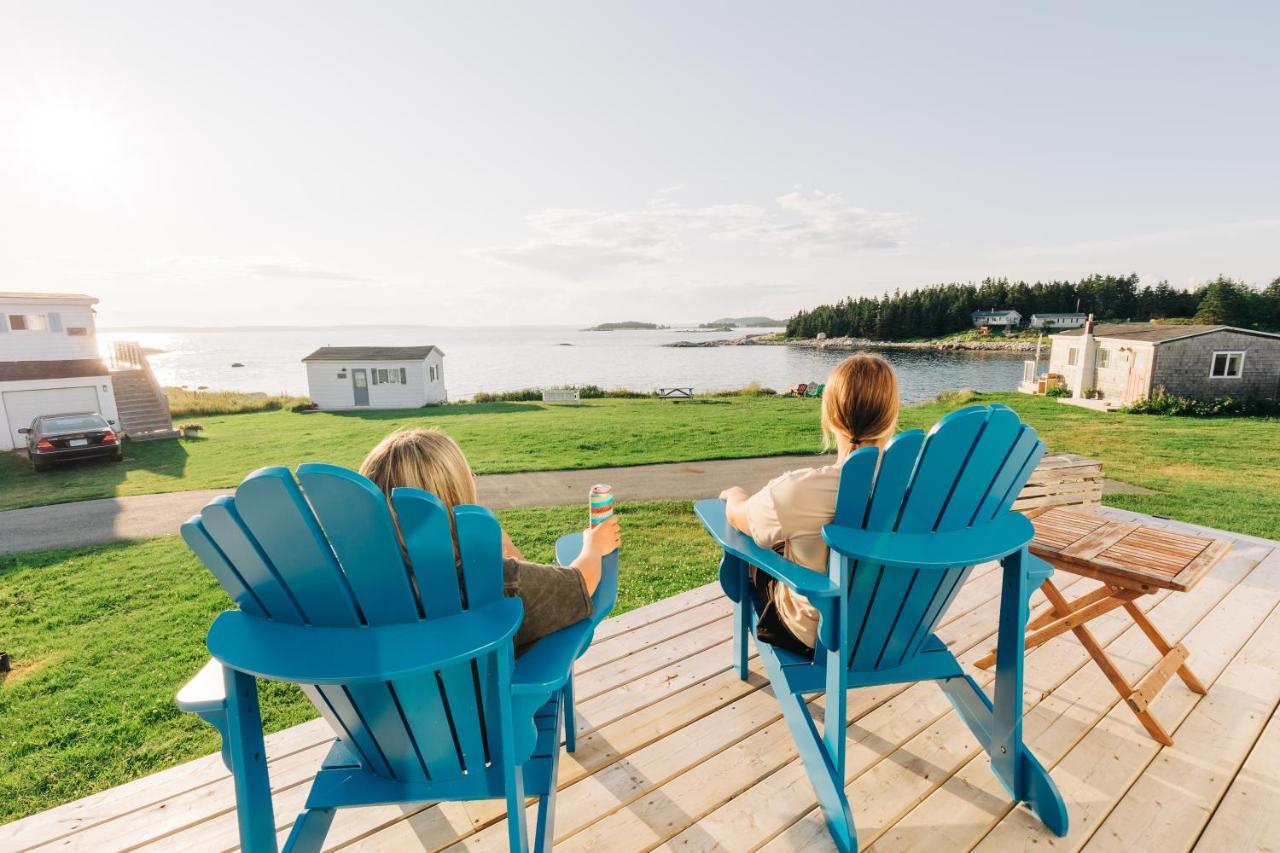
[
  {"x": 675, "y": 393},
  {"x": 1062, "y": 479},
  {"x": 570, "y": 396}
]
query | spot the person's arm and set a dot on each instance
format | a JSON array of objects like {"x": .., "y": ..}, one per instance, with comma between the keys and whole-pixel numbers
[
  {"x": 735, "y": 508},
  {"x": 596, "y": 542}
]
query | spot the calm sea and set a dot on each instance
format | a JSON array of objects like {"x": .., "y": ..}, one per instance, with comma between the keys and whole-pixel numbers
[{"x": 506, "y": 358}]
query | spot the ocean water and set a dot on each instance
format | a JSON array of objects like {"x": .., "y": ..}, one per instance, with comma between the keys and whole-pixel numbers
[{"x": 507, "y": 358}]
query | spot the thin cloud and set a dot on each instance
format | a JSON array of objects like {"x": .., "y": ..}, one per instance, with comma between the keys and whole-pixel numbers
[
  {"x": 576, "y": 243},
  {"x": 1090, "y": 248}
]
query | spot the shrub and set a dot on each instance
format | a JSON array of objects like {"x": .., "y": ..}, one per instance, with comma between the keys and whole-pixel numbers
[
  {"x": 752, "y": 389},
  {"x": 185, "y": 403},
  {"x": 1164, "y": 403},
  {"x": 1058, "y": 391},
  {"x": 956, "y": 399}
]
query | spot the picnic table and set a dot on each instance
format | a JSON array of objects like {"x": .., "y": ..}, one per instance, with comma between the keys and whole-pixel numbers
[
  {"x": 675, "y": 393},
  {"x": 1131, "y": 560}
]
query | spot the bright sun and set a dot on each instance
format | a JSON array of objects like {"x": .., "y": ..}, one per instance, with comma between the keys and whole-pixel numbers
[{"x": 69, "y": 141}]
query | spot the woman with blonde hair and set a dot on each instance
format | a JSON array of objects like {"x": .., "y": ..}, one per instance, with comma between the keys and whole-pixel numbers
[
  {"x": 554, "y": 597},
  {"x": 859, "y": 409}
]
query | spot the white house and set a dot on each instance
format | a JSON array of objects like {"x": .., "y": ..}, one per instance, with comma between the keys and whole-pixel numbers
[
  {"x": 1057, "y": 321},
  {"x": 996, "y": 319},
  {"x": 376, "y": 377},
  {"x": 49, "y": 361}
]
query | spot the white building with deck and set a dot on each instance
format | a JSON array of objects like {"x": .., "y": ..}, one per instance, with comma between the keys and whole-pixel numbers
[{"x": 376, "y": 377}]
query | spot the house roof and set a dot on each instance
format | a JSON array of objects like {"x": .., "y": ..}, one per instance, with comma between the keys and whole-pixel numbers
[
  {"x": 1157, "y": 333},
  {"x": 1072, "y": 314},
  {"x": 994, "y": 313},
  {"x": 373, "y": 353},
  {"x": 11, "y": 371},
  {"x": 21, "y": 296}
]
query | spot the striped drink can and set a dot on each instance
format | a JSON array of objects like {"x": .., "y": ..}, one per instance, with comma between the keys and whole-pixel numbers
[{"x": 600, "y": 502}]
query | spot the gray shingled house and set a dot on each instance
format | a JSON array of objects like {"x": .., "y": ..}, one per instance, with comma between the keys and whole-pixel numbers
[{"x": 1126, "y": 362}]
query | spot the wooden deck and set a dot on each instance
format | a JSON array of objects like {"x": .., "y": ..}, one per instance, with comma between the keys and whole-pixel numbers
[{"x": 676, "y": 753}]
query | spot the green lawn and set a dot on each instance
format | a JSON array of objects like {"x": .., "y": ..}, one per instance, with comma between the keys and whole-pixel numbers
[
  {"x": 497, "y": 437},
  {"x": 102, "y": 637}
]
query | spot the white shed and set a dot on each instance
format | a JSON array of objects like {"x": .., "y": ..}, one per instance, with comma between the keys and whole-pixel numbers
[{"x": 376, "y": 377}]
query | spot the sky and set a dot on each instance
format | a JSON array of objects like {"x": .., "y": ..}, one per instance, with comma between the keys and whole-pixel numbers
[{"x": 474, "y": 163}]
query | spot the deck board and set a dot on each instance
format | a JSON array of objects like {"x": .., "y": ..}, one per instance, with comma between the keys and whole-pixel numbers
[{"x": 675, "y": 752}]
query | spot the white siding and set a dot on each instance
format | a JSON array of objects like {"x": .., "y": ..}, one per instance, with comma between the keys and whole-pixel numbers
[
  {"x": 48, "y": 344},
  {"x": 330, "y": 392},
  {"x": 101, "y": 385}
]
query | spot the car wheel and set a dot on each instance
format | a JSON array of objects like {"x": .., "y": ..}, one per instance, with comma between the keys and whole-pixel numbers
[
  {"x": 38, "y": 467},
  {"x": 119, "y": 457}
]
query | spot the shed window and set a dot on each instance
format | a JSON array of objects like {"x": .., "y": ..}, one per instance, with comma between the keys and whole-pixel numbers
[
  {"x": 1073, "y": 356},
  {"x": 1104, "y": 358},
  {"x": 1227, "y": 365},
  {"x": 77, "y": 331},
  {"x": 28, "y": 322},
  {"x": 388, "y": 376}
]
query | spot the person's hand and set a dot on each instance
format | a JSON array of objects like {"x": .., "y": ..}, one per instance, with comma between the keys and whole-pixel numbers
[
  {"x": 734, "y": 493},
  {"x": 602, "y": 539}
]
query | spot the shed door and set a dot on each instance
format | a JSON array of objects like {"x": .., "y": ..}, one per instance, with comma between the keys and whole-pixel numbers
[
  {"x": 22, "y": 407},
  {"x": 360, "y": 385},
  {"x": 1139, "y": 376}
]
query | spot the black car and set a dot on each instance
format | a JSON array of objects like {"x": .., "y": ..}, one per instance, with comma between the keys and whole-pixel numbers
[{"x": 62, "y": 438}]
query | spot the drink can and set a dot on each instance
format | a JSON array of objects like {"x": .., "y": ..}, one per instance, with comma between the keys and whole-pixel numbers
[{"x": 600, "y": 503}]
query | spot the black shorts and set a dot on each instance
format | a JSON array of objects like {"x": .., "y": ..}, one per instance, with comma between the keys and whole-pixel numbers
[{"x": 769, "y": 627}]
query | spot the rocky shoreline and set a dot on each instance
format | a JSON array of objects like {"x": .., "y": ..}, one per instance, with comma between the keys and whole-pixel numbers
[{"x": 862, "y": 343}]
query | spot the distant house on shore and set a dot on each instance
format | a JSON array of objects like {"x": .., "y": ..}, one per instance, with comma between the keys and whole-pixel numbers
[
  {"x": 996, "y": 319},
  {"x": 1057, "y": 321},
  {"x": 376, "y": 377},
  {"x": 1127, "y": 362}
]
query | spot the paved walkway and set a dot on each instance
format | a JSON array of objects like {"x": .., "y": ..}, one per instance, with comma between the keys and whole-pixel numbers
[{"x": 141, "y": 516}]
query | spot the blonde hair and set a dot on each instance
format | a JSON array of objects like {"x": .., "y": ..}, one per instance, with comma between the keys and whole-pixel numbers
[
  {"x": 860, "y": 402},
  {"x": 424, "y": 459}
]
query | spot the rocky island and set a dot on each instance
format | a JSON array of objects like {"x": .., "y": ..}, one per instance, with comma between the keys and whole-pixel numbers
[{"x": 625, "y": 326}]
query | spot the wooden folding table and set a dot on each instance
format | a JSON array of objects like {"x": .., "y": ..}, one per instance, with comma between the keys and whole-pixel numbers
[{"x": 1131, "y": 560}]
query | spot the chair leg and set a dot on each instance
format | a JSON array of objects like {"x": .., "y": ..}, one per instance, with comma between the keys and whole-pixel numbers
[
  {"x": 741, "y": 631},
  {"x": 512, "y": 773},
  {"x": 544, "y": 833},
  {"x": 309, "y": 831},
  {"x": 248, "y": 758},
  {"x": 570, "y": 725},
  {"x": 827, "y": 781}
]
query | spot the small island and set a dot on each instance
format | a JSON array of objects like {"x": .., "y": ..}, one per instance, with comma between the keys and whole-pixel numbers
[
  {"x": 626, "y": 326},
  {"x": 727, "y": 323}
]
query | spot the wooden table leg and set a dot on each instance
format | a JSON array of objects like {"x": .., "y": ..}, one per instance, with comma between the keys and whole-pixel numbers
[
  {"x": 1109, "y": 669},
  {"x": 1166, "y": 649}
]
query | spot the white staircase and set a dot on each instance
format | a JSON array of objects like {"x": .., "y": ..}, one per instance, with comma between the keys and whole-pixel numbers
[{"x": 140, "y": 401}]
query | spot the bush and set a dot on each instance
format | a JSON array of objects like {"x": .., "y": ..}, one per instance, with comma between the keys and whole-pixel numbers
[
  {"x": 1058, "y": 391},
  {"x": 530, "y": 395},
  {"x": 1163, "y": 403},
  {"x": 956, "y": 399},
  {"x": 184, "y": 403}
]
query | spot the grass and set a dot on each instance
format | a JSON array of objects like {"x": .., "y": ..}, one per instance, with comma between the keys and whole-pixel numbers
[
  {"x": 497, "y": 437},
  {"x": 185, "y": 403},
  {"x": 102, "y": 638}
]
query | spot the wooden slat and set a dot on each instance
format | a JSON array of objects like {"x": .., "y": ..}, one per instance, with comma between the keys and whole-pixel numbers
[{"x": 1246, "y": 819}]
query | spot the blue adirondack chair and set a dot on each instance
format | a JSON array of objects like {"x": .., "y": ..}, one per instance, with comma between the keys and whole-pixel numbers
[
  {"x": 910, "y": 524},
  {"x": 411, "y": 665}
]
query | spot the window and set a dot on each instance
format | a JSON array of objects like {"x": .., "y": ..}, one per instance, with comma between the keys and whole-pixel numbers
[
  {"x": 77, "y": 331},
  {"x": 1073, "y": 356},
  {"x": 1104, "y": 358},
  {"x": 432, "y": 371},
  {"x": 29, "y": 322},
  {"x": 1227, "y": 365},
  {"x": 388, "y": 376},
  {"x": 404, "y": 380}
]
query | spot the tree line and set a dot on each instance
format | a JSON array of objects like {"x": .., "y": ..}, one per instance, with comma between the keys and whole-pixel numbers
[{"x": 944, "y": 309}]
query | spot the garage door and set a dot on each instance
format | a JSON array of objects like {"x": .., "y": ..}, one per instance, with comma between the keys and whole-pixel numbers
[{"x": 21, "y": 407}]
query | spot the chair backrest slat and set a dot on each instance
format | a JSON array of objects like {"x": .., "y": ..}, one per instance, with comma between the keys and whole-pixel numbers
[
  {"x": 276, "y": 513},
  {"x": 203, "y": 546},
  {"x": 225, "y": 526},
  {"x": 354, "y": 516}
]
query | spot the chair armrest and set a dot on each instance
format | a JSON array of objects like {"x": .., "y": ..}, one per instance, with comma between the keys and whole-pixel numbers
[
  {"x": 605, "y": 596},
  {"x": 206, "y": 692},
  {"x": 308, "y": 654},
  {"x": 804, "y": 581},
  {"x": 967, "y": 546}
]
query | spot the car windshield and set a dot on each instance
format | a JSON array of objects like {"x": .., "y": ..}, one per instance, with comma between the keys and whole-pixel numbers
[{"x": 71, "y": 423}]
